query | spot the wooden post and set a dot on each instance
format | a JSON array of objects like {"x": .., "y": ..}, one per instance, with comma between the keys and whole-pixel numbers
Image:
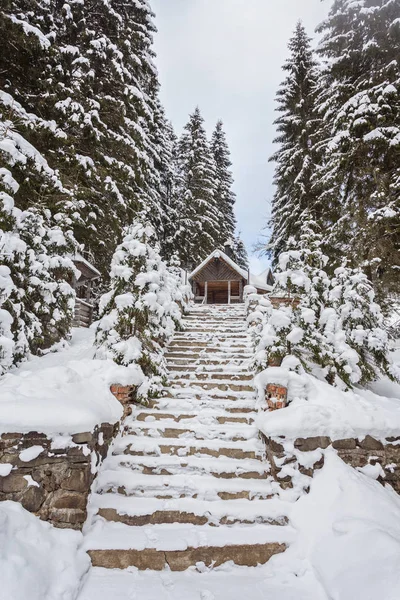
[
  {"x": 240, "y": 290},
  {"x": 205, "y": 291},
  {"x": 229, "y": 292}
]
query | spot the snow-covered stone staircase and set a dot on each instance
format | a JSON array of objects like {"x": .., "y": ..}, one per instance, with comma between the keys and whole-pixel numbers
[{"x": 187, "y": 481}]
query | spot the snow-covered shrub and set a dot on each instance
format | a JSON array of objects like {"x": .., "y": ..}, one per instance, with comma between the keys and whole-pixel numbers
[
  {"x": 330, "y": 323},
  {"x": 36, "y": 300},
  {"x": 353, "y": 300},
  {"x": 144, "y": 306}
]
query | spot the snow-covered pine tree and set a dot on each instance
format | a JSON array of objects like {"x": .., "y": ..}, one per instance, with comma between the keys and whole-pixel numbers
[
  {"x": 360, "y": 105},
  {"x": 353, "y": 299},
  {"x": 88, "y": 67},
  {"x": 224, "y": 196},
  {"x": 36, "y": 300},
  {"x": 144, "y": 306},
  {"x": 239, "y": 252},
  {"x": 166, "y": 164},
  {"x": 330, "y": 323},
  {"x": 295, "y": 158},
  {"x": 107, "y": 90},
  {"x": 198, "y": 228}
]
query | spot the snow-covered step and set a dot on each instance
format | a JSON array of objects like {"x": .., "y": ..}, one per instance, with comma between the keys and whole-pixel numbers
[
  {"x": 152, "y": 511},
  {"x": 142, "y": 446},
  {"x": 207, "y": 361},
  {"x": 222, "y": 376},
  {"x": 224, "y": 467},
  {"x": 192, "y": 462},
  {"x": 212, "y": 393},
  {"x": 177, "y": 416},
  {"x": 179, "y": 546},
  {"x": 212, "y": 384},
  {"x": 222, "y": 404},
  {"x": 216, "y": 357},
  {"x": 188, "y": 368},
  {"x": 183, "y": 485},
  {"x": 172, "y": 429}
]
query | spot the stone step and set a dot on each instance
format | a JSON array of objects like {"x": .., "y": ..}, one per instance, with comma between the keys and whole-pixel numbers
[
  {"x": 206, "y": 362},
  {"x": 211, "y": 337},
  {"x": 199, "y": 431},
  {"x": 188, "y": 355},
  {"x": 177, "y": 416},
  {"x": 221, "y": 376},
  {"x": 211, "y": 384},
  {"x": 178, "y": 547},
  {"x": 142, "y": 446},
  {"x": 214, "y": 395},
  {"x": 217, "y": 330},
  {"x": 203, "y": 487},
  {"x": 189, "y": 368},
  {"x": 194, "y": 403},
  {"x": 224, "y": 467},
  {"x": 152, "y": 511}
]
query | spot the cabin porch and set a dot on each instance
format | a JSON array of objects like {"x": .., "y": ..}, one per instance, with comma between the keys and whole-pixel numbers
[{"x": 218, "y": 292}]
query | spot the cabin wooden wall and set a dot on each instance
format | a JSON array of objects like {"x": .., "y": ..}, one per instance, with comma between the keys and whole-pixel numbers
[{"x": 217, "y": 270}]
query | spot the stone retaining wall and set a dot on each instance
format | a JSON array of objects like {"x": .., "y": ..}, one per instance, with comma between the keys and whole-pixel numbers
[
  {"x": 55, "y": 484},
  {"x": 55, "y": 480},
  {"x": 287, "y": 457}
]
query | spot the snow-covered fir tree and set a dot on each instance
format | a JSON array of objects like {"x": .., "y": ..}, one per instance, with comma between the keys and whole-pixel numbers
[
  {"x": 360, "y": 105},
  {"x": 94, "y": 77},
  {"x": 240, "y": 255},
  {"x": 36, "y": 300},
  {"x": 224, "y": 195},
  {"x": 199, "y": 217},
  {"x": 331, "y": 323},
  {"x": 143, "y": 307},
  {"x": 295, "y": 158}
]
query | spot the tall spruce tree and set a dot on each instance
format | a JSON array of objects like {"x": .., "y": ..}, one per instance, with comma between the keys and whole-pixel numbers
[
  {"x": 240, "y": 255},
  {"x": 224, "y": 196},
  {"x": 295, "y": 158},
  {"x": 87, "y": 69},
  {"x": 198, "y": 228},
  {"x": 360, "y": 105}
]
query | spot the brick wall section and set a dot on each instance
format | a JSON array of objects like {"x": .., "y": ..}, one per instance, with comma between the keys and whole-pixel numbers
[
  {"x": 126, "y": 395},
  {"x": 55, "y": 485},
  {"x": 357, "y": 453}
]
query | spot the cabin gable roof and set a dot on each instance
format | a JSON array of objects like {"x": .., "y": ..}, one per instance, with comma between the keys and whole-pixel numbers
[{"x": 218, "y": 254}]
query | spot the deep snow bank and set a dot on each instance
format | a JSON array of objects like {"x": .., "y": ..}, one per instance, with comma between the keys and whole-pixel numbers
[
  {"x": 64, "y": 392},
  {"x": 38, "y": 561},
  {"x": 349, "y": 531},
  {"x": 318, "y": 409}
]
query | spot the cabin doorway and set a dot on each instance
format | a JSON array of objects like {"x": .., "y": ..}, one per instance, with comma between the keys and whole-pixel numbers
[{"x": 220, "y": 292}]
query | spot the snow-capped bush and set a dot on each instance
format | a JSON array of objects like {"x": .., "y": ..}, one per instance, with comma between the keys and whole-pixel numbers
[
  {"x": 36, "y": 300},
  {"x": 332, "y": 323},
  {"x": 144, "y": 306}
]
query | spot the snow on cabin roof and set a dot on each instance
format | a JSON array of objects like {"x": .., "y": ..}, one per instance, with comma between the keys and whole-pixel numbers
[
  {"x": 255, "y": 280},
  {"x": 80, "y": 259},
  {"x": 259, "y": 282},
  {"x": 225, "y": 257}
]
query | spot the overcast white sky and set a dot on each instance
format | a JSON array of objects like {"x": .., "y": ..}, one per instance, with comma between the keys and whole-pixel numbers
[{"x": 225, "y": 56}]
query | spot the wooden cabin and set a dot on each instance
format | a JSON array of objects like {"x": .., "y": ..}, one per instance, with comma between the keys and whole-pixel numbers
[
  {"x": 83, "y": 288},
  {"x": 219, "y": 280}
]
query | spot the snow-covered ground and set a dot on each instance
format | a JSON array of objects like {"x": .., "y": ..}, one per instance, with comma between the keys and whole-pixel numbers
[
  {"x": 63, "y": 392},
  {"x": 346, "y": 532},
  {"x": 318, "y": 409},
  {"x": 347, "y": 548},
  {"x": 38, "y": 561}
]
